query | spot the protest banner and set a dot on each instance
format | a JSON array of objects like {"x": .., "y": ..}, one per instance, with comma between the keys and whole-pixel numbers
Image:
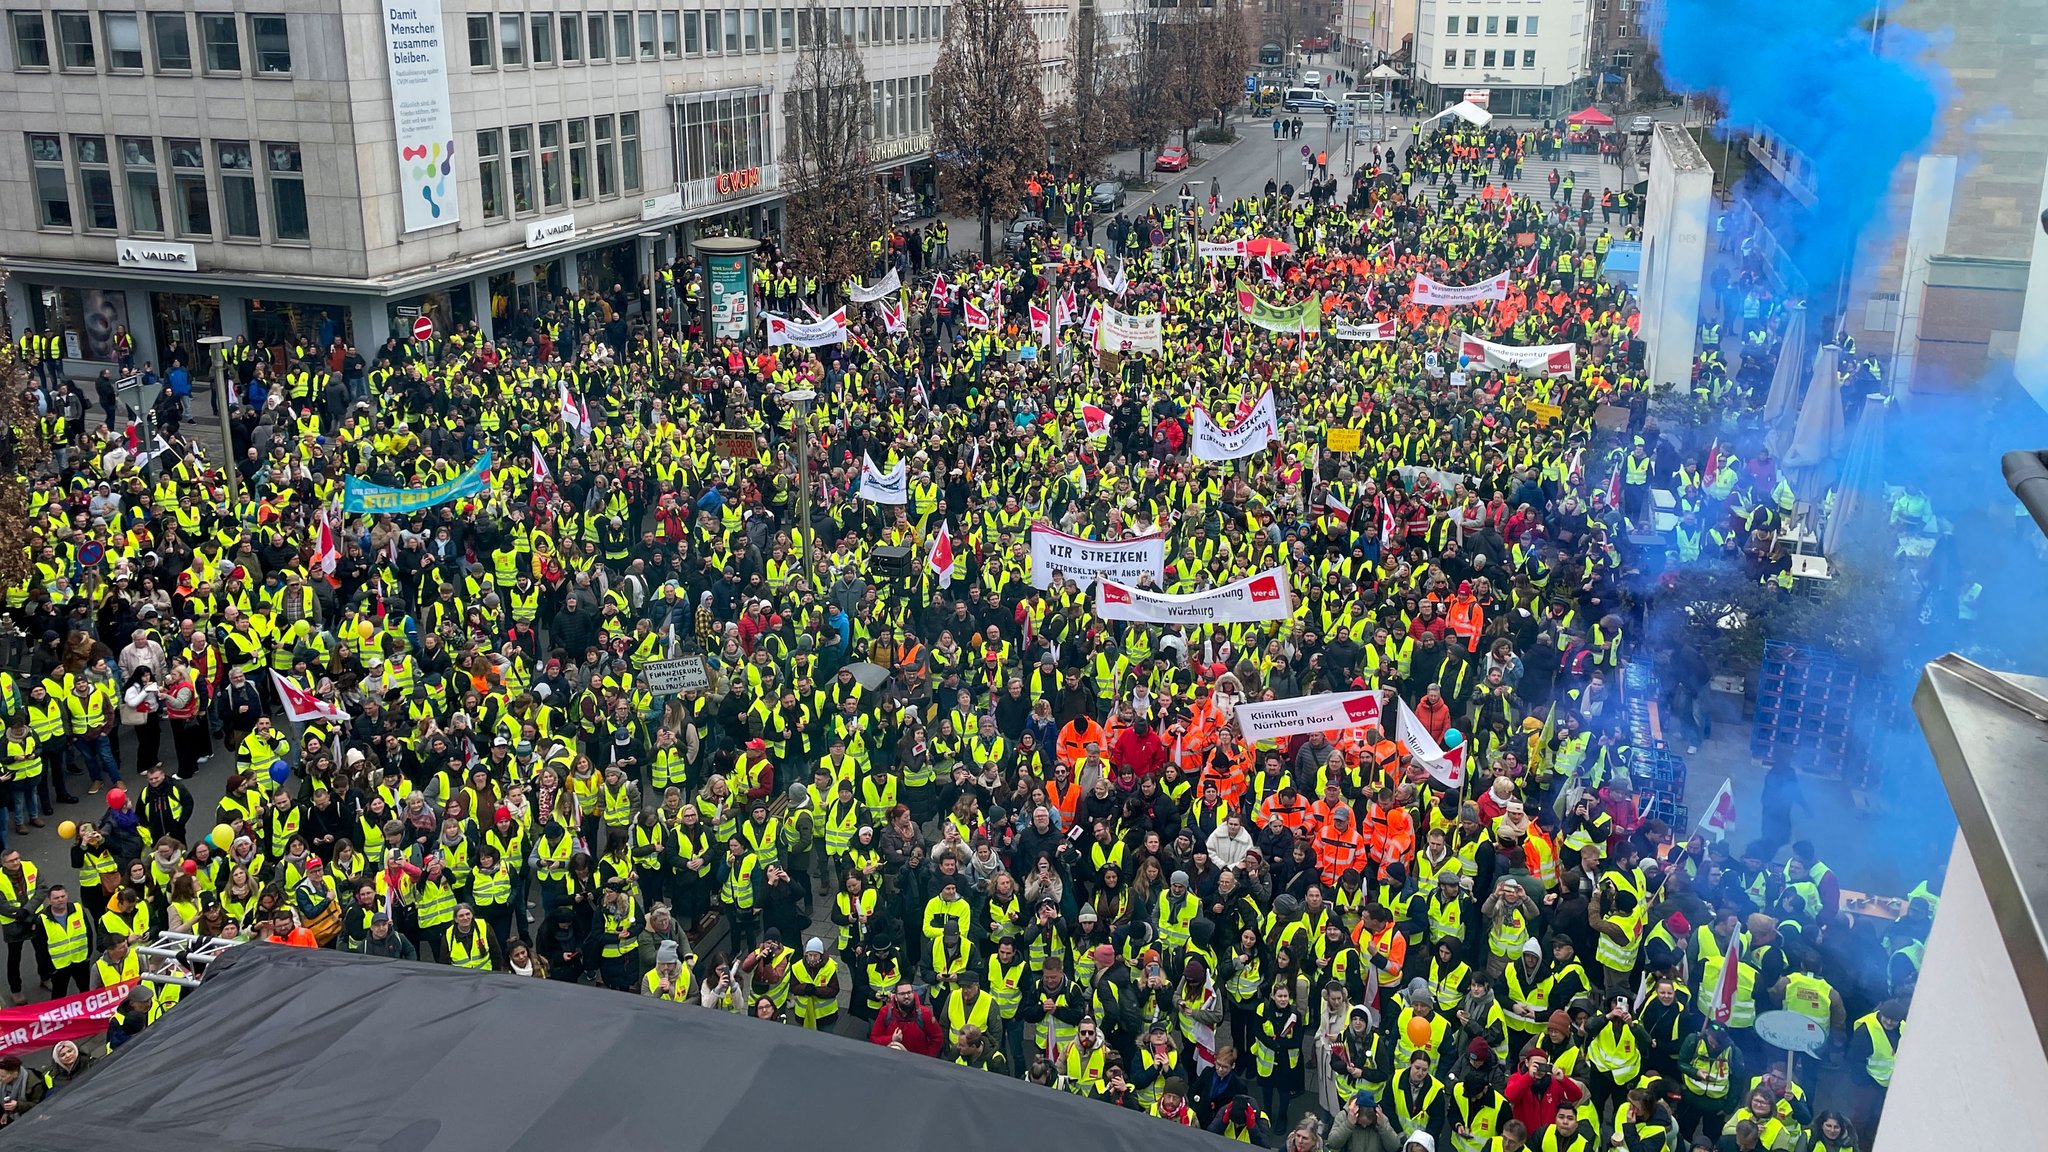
[
  {"x": 891, "y": 487},
  {"x": 1263, "y": 596},
  {"x": 33, "y": 1027},
  {"x": 1344, "y": 440},
  {"x": 807, "y": 334},
  {"x": 1058, "y": 556},
  {"x": 1247, "y": 437},
  {"x": 887, "y": 285},
  {"x": 1433, "y": 294},
  {"x": 734, "y": 443},
  {"x": 1122, "y": 332},
  {"x": 1304, "y": 316},
  {"x": 360, "y": 495},
  {"x": 1272, "y": 719},
  {"x": 1546, "y": 359},
  {"x": 1346, "y": 330}
]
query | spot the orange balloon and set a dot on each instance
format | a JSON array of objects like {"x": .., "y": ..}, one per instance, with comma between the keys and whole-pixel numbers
[{"x": 1418, "y": 1031}]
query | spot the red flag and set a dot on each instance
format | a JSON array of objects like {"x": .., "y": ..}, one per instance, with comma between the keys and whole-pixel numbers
[
  {"x": 1094, "y": 420},
  {"x": 1530, "y": 269},
  {"x": 325, "y": 555},
  {"x": 940, "y": 289},
  {"x": 302, "y": 705},
  {"x": 1721, "y": 1000},
  {"x": 1720, "y": 815},
  {"x": 1339, "y": 510},
  {"x": 1388, "y": 524},
  {"x": 1559, "y": 362},
  {"x": 941, "y": 559},
  {"x": 972, "y": 314},
  {"x": 541, "y": 475},
  {"x": 1041, "y": 323}
]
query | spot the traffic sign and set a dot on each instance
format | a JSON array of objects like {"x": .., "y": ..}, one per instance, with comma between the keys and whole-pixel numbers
[
  {"x": 91, "y": 553},
  {"x": 667, "y": 677},
  {"x": 1304, "y": 150},
  {"x": 1251, "y": 83},
  {"x": 423, "y": 329}
]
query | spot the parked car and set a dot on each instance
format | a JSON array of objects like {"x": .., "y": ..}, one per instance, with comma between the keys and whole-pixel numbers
[
  {"x": 1021, "y": 229},
  {"x": 1107, "y": 196},
  {"x": 1174, "y": 159},
  {"x": 1641, "y": 125},
  {"x": 1366, "y": 101},
  {"x": 1306, "y": 100}
]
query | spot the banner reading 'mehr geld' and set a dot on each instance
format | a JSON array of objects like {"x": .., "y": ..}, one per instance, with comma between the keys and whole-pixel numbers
[{"x": 418, "y": 42}]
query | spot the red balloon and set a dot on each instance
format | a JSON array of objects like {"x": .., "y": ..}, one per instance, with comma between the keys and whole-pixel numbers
[
  {"x": 190, "y": 866},
  {"x": 118, "y": 798}
]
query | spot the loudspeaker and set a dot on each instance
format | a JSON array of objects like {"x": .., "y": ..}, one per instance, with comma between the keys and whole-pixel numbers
[{"x": 894, "y": 563}]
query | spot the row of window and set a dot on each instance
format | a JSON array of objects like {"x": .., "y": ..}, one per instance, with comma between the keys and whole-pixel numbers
[
  {"x": 897, "y": 108},
  {"x": 187, "y": 188},
  {"x": 523, "y": 39},
  {"x": 1473, "y": 57},
  {"x": 526, "y": 169},
  {"x": 1516, "y": 25},
  {"x": 228, "y": 44}
]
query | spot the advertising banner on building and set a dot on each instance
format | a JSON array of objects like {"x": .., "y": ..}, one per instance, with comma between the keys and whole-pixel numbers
[
  {"x": 1273, "y": 719},
  {"x": 362, "y": 496},
  {"x": 1264, "y": 596},
  {"x": 1058, "y": 556},
  {"x": 416, "y": 38},
  {"x": 731, "y": 314},
  {"x": 1247, "y": 437}
]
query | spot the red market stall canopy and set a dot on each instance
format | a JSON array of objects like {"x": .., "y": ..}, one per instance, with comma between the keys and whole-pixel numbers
[
  {"x": 1267, "y": 246},
  {"x": 1591, "y": 117}
]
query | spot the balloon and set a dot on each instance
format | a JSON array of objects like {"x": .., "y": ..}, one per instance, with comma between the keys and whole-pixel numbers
[
  {"x": 118, "y": 798},
  {"x": 66, "y": 830},
  {"x": 1464, "y": 361},
  {"x": 279, "y": 770},
  {"x": 222, "y": 837},
  {"x": 1418, "y": 1031},
  {"x": 190, "y": 867},
  {"x": 1452, "y": 738}
]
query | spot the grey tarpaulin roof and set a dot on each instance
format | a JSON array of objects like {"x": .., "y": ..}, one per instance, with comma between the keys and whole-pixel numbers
[{"x": 298, "y": 1048}]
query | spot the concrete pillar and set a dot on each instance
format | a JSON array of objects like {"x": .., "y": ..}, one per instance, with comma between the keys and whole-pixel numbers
[
  {"x": 142, "y": 327},
  {"x": 371, "y": 321},
  {"x": 1674, "y": 253},
  {"x": 21, "y": 319},
  {"x": 2030, "y": 362},
  {"x": 1934, "y": 189},
  {"x": 234, "y": 314},
  {"x": 480, "y": 298}
]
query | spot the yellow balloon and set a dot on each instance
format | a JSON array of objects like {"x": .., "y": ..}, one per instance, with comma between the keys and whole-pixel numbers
[{"x": 66, "y": 830}]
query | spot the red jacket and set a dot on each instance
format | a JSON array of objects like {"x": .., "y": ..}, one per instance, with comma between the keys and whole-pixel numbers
[
  {"x": 1537, "y": 1110},
  {"x": 921, "y": 1031},
  {"x": 1143, "y": 754}
]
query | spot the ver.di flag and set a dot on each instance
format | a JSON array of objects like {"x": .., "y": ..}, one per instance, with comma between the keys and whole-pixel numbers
[
  {"x": 1446, "y": 768},
  {"x": 1329, "y": 711},
  {"x": 1721, "y": 1000},
  {"x": 302, "y": 706},
  {"x": 941, "y": 560},
  {"x": 972, "y": 315},
  {"x": 891, "y": 487},
  {"x": 1094, "y": 420},
  {"x": 892, "y": 317},
  {"x": 1719, "y": 818}
]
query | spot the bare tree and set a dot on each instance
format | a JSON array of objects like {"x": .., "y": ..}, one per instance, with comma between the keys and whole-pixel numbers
[
  {"x": 22, "y": 454},
  {"x": 835, "y": 208},
  {"x": 988, "y": 113},
  {"x": 1097, "y": 111}
]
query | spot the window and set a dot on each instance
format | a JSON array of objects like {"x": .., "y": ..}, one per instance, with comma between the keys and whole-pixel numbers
[
  {"x": 1529, "y": 58},
  {"x": 1512, "y": 22},
  {"x": 788, "y": 41},
  {"x": 714, "y": 40},
  {"x": 599, "y": 52},
  {"x": 1489, "y": 58},
  {"x": 188, "y": 187},
  {"x": 1528, "y": 26},
  {"x": 53, "y": 190},
  {"x": 647, "y": 35},
  {"x": 124, "y": 41},
  {"x": 287, "y": 191},
  {"x": 607, "y": 166},
  {"x": 732, "y": 30},
  {"x": 31, "y": 40},
  {"x": 551, "y": 164},
  {"x": 572, "y": 39},
  {"x": 490, "y": 172},
  {"x": 750, "y": 27},
  {"x": 1471, "y": 57},
  {"x": 671, "y": 35},
  {"x": 272, "y": 45},
  {"x": 238, "y": 189},
  {"x": 693, "y": 35},
  {"x": 1624, "y": 60},
  {"x": 74, "y": 41},
  {"x": 480, "y": 52},
  {"x": 222, "y": 42},
  {"x": 521, "y": 140},
  {"x": 1471, "y": 25},
  {"x": 622, "y": 35},
  {"x": 95, "y": 183},
  {"x": 1493, "y": 25},
  {"x": 543, "y": 38},
  {"x": 511, "y": 40},
  {"x": 145, "y": 191},
  {"x": 1507, "y": 58},
  {"x": 1450, "y": 26},
  {"x": 860, "y": 23},
  {"x": 172, "y": 39},
  {"x": 579, "y": 160},
  {"x": 629, "y": 151}
]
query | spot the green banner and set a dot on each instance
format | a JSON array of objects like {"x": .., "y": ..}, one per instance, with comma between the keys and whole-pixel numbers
[{"x": 1307, "y": 316}]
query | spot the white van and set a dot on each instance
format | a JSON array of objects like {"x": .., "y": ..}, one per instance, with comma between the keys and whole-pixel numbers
[
  {"x": 1306, "y": 100},
  {"x": 1366, "y": 101},
  {"x": 1312, "y": 78}
]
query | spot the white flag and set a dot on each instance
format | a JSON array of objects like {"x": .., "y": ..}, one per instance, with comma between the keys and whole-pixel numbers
[{"x": 891, "y": 487}]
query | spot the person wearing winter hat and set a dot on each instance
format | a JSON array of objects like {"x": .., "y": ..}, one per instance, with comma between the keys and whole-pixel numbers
[
  {"x": 814, "y": 987},
  {"x": 670, "y": 979},
  {"x": 799, "y": 838}
]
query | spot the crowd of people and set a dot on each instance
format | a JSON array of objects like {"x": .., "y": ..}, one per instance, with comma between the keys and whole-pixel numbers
[{"x": 953, "y": 810}]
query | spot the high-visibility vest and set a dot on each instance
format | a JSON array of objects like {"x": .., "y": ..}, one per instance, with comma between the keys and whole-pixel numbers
[
  {"x": 24, "y": 760},
  {"x": 738, "y": 890},
  {"x": 1743, "y": 1012},
  {"x": 472, "y": 953},
  {"x": 805, "y": 987},
  {"x": 1005, "y": 985},
  {"x": 960, "y": 1014},
  {"x": 68, "y": 938},
  {"x": 436, "y": 905},
  {"x": 491, "y": 889},
  {"x": 1809, "y": 995},
  {"x": 17, "y": 894},
  {"x": 1706, "y": 1074},
  {"x": 1613, "y": 1050},
  {"x": 1174, "y": 922},
  {"x": 1882, "y": 1054},
  {"x": 1481, "y": 1122},
  {"x": 1621, "y": 957}
]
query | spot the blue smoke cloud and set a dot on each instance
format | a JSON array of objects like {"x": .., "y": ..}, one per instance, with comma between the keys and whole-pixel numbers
[{"x": 1807, "y": 73}]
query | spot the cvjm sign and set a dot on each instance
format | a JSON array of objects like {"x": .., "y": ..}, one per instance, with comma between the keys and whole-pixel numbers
[{"x": 744, "y": 180}]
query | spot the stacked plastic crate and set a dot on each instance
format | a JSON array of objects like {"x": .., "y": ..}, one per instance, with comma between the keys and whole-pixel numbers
[
  {"x": 1656, "y": 771},
  {"x": 1805, "y": 699}
]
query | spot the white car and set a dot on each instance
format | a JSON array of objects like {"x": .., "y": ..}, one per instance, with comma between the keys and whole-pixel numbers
[{"x": 1312, "y": 78}]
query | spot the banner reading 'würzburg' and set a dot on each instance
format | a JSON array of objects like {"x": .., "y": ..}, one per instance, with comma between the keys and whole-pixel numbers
[{"x": 1264, "y": 596}]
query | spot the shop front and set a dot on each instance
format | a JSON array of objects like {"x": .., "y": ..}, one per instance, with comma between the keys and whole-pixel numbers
[
  {"x": 94, "y": 323},
  {"x": 450, "y": 308}
]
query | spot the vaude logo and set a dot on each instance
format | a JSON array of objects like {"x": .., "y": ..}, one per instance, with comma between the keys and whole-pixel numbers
[
  {"x": 133, "y": 254},
  {"x": 544, "y": 233}
]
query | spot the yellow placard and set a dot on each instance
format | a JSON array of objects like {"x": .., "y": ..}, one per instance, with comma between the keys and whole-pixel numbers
[
  {"x": 1343, "y": 440},
  {"x": 1544, "y": 413}
]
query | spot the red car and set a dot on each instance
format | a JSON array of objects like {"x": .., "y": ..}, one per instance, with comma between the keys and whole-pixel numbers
[{"x": 1171, "y": 160}]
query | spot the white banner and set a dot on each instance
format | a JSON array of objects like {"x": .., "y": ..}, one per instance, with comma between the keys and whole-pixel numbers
[
  {"x": 813, "y": 334},
  {"x": 1120, "y": 332},
  {"x": 1058, "y": 556},
  {"x": 1544, "y": 359},
  {"x": 1264, "y": 596},
  {"x": 416, "y": 38},
  {"x": 1219, "y": 249},
  {"x": 1272, "y": 719},
  {"x": 891, "y": 487},
  {"x": 1431, "y": 294},
  {"x": 1346, "y": 330},
  {"x": 1248, "y": 437},
  {"x": 881, "y": 288}
]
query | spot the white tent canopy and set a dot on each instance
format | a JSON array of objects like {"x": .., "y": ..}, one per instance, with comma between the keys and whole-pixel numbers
[
  {"x": 1467, "y": 111},
  {"x": 1383, "y": 72}
]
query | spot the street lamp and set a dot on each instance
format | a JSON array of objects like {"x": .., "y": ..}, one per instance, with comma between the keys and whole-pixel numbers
[
  {"x": 653, "y": 237},
  {"x": 802, "y": 397},
  {"x": 218, "y": 345}
]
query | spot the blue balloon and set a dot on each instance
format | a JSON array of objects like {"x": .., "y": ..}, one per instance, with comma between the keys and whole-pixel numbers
[
  {"x": 279, "y": 770},
  {"x": 1452, "y": 738},
  {"x": 1464, "y": 361}
]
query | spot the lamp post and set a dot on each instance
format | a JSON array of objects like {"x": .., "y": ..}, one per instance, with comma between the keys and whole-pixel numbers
[
  {"x": 218, "y": 346},
  {"x": 653, "y": 238},
  {"x": 802, "y": 397}
]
